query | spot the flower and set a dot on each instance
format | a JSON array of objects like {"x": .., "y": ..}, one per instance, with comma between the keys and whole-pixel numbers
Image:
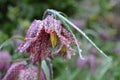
[
  {"x": 22, "y": 71},
  {"x": 13, "y": 71},
  {"x": 31, "y": 74},
  {"x": 47, "y": 38},
  {"x": 4, "y": 60}
]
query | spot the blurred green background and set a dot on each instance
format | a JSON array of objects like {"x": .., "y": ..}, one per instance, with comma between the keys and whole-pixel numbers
[{"x": 99, "y": 19}]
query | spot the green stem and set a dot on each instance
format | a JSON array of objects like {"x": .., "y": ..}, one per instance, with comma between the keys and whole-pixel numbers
[{"x": 39, "y": 69}]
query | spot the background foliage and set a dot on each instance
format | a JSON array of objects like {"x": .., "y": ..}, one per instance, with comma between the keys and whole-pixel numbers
[{"x": 99, "y": 19}]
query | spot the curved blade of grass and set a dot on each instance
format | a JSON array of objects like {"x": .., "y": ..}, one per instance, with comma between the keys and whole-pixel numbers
[
  {"x": 9, "y": 41},
  {"x": 6, "y": 43},
  {"x": 79, "y": 50},
  {"x": 18, "y": 37},
  {"x": 22, "y": 59},
  {"x": 17, "y": 60},
  {"x": 79, "y": 30}
]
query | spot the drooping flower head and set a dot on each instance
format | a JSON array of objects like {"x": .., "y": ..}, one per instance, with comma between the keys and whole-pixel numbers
[
  {"x": 31, "y": 74},
  {"x": 46, "y": 38},
  {"x": 22, "y": 71},
  {"x": 14, "y": 70}
]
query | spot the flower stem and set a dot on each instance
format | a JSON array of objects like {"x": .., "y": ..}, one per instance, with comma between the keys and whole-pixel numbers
[{"x": 39, "y": 69}]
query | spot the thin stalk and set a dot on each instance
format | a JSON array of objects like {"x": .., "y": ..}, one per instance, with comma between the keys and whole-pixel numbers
[
  {"x": 79, "y": 30},
  {"x": 39, "y": 69}
]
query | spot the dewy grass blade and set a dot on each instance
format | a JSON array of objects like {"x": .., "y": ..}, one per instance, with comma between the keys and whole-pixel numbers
[
  {"x": 6, "y": 43},
  {"x": 79, "y": 50},
  {"x": 79, "y": 30},
  {"x": 9, "y": 41}
]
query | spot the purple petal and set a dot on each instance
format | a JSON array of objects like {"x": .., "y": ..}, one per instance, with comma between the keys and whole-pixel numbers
[
  {"x": 14, "y": 70},
  {"x": 4, "y": 60}
]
